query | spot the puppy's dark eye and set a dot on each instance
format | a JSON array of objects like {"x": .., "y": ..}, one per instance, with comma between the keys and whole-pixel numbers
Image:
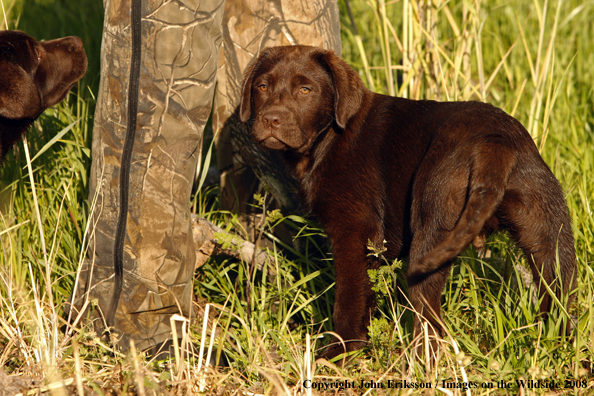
[
  {"x": 304, "y": 90},
  {"x": 263, "y": 87}
]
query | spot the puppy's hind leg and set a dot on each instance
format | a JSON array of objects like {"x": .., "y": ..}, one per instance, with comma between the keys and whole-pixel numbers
[
  {"x": 488, "y": 176},
  {"x": 448, "y": 214},
  {"x": 535, "y": 214},
  {"x": 425, "y": 296}
]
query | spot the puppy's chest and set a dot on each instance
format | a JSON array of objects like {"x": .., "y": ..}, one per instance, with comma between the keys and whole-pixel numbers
[{"x": 337, "y": 193}]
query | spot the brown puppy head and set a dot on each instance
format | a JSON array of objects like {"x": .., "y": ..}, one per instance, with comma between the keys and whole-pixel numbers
[
  {"x": 37, "y": 75},
  {"x": 297, "y": 92}
]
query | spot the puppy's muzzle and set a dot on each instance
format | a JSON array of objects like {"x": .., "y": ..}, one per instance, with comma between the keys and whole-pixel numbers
[{"x": 272, "y": 119}]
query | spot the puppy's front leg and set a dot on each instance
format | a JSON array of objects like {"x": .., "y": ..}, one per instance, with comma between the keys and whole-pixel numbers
[{"x": 354, "y": 298}]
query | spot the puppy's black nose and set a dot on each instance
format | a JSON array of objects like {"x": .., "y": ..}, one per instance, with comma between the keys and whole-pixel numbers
[{"x": 272, "y": 119}]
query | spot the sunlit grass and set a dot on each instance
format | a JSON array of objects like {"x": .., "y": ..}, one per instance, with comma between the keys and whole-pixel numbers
[{"x": 533, "y": 59}]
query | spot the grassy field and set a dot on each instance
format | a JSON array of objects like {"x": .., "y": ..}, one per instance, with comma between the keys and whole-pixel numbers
[{"x": 528, "y": 57}]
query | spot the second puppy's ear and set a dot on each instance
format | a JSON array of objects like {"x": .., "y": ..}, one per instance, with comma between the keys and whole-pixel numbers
[{"x": 19, "y": 98}]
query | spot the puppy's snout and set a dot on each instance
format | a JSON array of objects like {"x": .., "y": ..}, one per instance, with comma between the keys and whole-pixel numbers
[
  {"x": 272, "y": 119},
  {"x": 70, "y": 44},
  {"x": 75, "y": 44}
]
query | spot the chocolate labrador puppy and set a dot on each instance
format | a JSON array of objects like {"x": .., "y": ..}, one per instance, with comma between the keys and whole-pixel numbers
[
  {"x": 430, "y": 178},
  {"x": 34, "y": 76}
]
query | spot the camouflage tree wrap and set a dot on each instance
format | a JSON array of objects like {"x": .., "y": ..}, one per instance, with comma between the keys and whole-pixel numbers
[{"x": 181, "y": 41}]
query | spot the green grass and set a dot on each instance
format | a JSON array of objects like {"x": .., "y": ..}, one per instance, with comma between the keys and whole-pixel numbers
[{"x": 532, "y": 59}]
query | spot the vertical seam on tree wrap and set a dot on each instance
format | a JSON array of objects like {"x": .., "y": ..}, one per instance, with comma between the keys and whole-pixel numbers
[{"x": 120, "y": 236}]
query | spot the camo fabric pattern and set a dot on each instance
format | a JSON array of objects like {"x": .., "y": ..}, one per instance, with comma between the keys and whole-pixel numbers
[{"x": 181, "y": 61}]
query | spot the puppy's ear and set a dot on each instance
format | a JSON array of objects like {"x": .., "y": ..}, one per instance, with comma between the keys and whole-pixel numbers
[
  {"x": 19, "y": 97},
  {"x": 245, "y": 106},
  {"x": 348, "y": 88}
]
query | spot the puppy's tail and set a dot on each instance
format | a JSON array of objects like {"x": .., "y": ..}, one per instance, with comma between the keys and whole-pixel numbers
[
  {"x": 480, "y": 207},
  {"x": 536, "y": 217},
  {"x": 486, "y": 190}
]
